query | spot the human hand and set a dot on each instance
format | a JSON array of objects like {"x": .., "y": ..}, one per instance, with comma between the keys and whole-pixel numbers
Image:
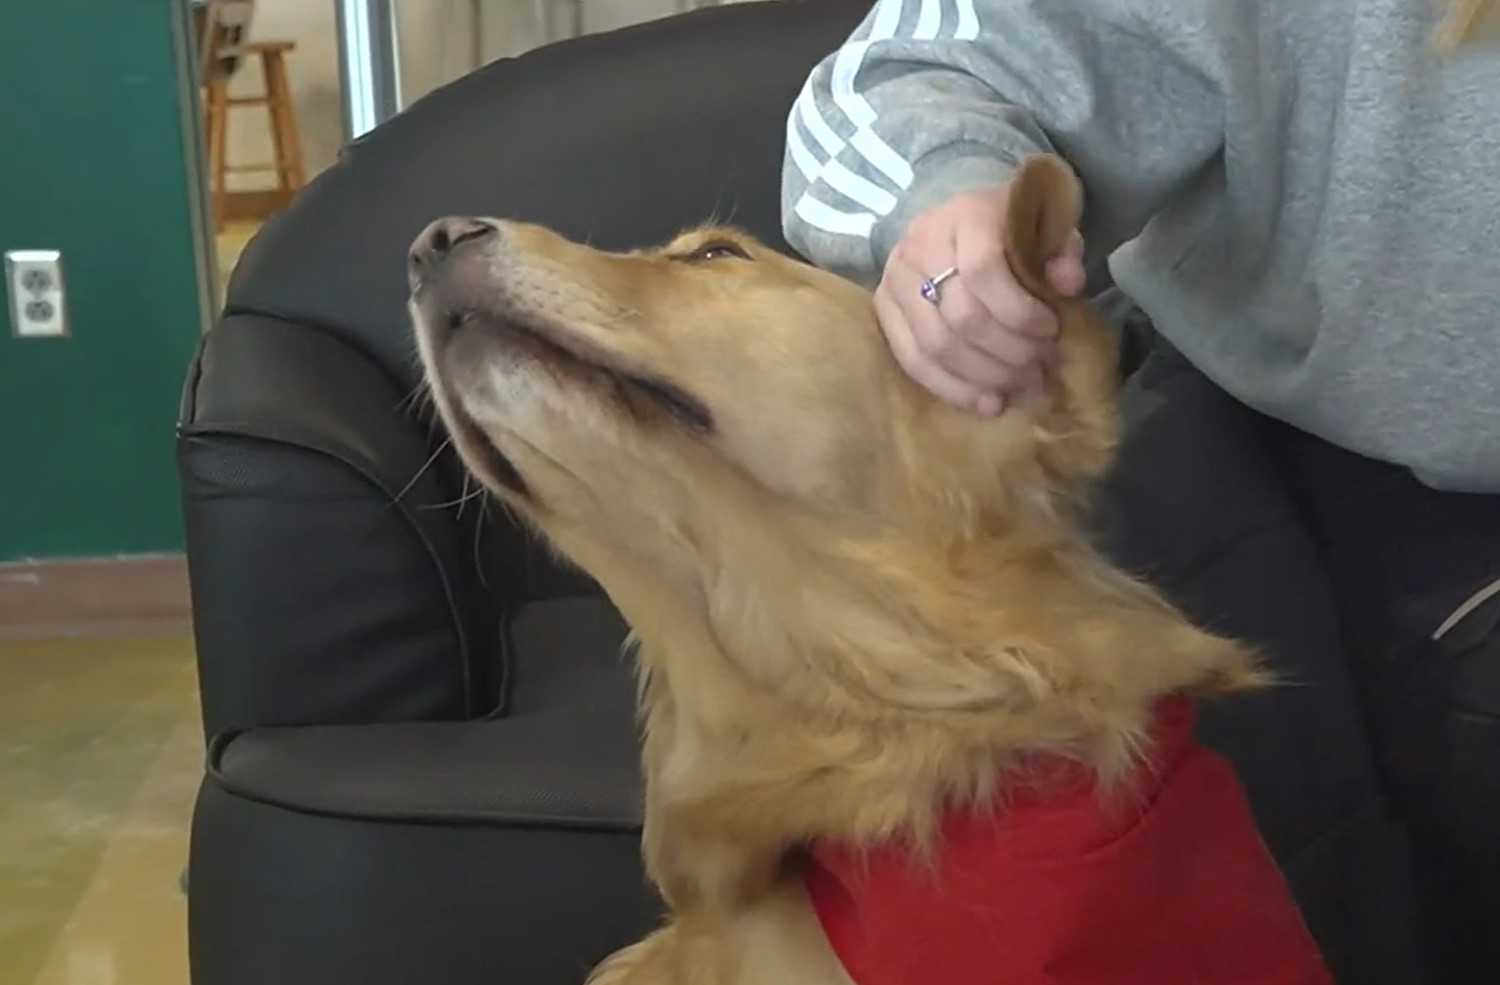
[{"x": 986, "y": 340}]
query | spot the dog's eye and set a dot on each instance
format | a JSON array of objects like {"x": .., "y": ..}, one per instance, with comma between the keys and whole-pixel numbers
[{"x": 718, "y": 250}]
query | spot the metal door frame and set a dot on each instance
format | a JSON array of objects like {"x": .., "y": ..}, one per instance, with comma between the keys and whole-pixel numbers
[{"x": 369, "y": 47}]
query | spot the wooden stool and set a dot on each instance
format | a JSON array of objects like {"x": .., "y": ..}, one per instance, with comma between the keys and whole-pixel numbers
[{"x": 276, "y": 97}]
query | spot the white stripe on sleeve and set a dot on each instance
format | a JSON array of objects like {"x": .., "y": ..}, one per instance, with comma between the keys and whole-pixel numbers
[
  {"x": 856, "y": 107},
  {"x": 837, "y": 176},
  {"x": 832, "y": 220},
  {"x": 880, "y": 154},
  {"x": 930, "y": 21},
  {"x": 869, "y": 144},
  {"x": 796, "y": 148},
  {"x": 851, "y": 57},
  {"x": 807, "y": 108},
  {"x": 968, "y": 22}
]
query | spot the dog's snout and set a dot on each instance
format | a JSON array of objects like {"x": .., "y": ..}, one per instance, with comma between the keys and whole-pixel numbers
[{"x": 444, "y": 237}]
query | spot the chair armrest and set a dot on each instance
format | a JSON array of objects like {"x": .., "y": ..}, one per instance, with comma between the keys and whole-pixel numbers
[
  {"x": 472, "y": 841},
  {"x": 567, "y": 754},
  {"x": 330, "y": 583}
]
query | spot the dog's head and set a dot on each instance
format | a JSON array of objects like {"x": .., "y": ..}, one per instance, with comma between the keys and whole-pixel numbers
[
  {"x": 713, "y": 425},
  {"x": 656, "y": 396}
]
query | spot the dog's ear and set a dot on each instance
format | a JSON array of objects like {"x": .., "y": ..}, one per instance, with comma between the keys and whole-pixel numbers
[
  {"x": 1463, "y": 22},
  {"x": 1045, "y": 205}
]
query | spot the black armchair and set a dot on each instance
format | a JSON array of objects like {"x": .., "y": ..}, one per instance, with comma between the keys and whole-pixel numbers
[{"x": 422, "y": 763}]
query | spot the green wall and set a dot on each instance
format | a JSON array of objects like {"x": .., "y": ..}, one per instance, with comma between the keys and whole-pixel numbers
[{"x": 94, "y": 140}]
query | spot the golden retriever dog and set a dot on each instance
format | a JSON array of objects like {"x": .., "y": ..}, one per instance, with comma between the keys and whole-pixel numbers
[{"x": 860, "y": 612}]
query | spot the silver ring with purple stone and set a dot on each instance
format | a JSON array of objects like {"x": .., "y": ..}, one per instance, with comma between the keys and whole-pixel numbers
[{"x": 932, "y": 287}]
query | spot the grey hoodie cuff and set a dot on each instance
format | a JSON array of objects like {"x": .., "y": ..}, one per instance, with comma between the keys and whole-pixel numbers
[{"x": 940, "y": 175}]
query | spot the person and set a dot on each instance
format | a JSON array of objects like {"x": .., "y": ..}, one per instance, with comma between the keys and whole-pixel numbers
[{"x": 1302, "y": 198}]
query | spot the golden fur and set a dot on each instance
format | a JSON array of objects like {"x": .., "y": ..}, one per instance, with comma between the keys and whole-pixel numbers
[
  {"x": 855, "y": 605},
  {"x": 1463, "y": 22}
]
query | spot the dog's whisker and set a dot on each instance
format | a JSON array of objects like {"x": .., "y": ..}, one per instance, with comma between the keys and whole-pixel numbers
[
  {"x": 478, "y": 536},
  {"x": 419, "y": 394},
  {"x": 469, "y": 495},
  {"x": 432, "y": 460}
]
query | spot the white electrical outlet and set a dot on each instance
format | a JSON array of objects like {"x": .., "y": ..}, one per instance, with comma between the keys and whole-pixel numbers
[{"x": 38, "y": 303}]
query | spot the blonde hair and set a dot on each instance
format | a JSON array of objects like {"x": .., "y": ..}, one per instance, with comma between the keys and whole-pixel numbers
[{"x": 1464, "y": 21}]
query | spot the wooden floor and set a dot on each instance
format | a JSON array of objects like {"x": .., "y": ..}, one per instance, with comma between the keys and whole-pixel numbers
[
  {"x": 101, "y": 753},
  {"x": 93, "y": 597},
  {"x": 230, "y": 243},
  {"x": 100, "y": 756}
]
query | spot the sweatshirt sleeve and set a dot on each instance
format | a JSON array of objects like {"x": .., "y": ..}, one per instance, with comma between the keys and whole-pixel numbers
[{"x": 931, "y": 98}]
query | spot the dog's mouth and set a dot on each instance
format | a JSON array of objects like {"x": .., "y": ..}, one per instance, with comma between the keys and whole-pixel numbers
[
  {"x": 573, "y": 361},
  {"x": 569, "y": 361}
]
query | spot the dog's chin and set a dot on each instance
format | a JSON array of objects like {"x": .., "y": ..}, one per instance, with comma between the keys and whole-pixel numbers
[
  {"x": 480, "y": 339},
  {"x": 455, "y": 369},
  {"x": 500, "y": 374},
  {"x": 482, "y": 456},
  {"x": 502, "y": 383},
  {"x": 471, "y": 346}
]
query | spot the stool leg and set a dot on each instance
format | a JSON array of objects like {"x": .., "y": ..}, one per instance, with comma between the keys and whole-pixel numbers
[
  {"x": 291, "y": 173},
  {"x": 217, "y": 110}
]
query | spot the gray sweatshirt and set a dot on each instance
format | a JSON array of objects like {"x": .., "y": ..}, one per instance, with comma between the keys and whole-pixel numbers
[{"x": 1300, "y": 194}]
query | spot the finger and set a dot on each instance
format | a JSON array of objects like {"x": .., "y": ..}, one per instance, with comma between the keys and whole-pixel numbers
[
  {"x": 982, "y": 267},
  {"x": 1074, "y": 246},
  {"x": 974, "y": 323},
  {"x": 938, "y": 340},
  {"x": 1065, "y": 272},
  {"x": 903, "y": 343},
  {"x": 989, "y": 405},
  {"x": 1048, "y": 360},
  {"x": 1033, "y": 383}
]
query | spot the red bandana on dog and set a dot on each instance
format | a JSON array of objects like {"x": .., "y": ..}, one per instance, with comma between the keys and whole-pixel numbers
[{"x": 1172, "y": 886}]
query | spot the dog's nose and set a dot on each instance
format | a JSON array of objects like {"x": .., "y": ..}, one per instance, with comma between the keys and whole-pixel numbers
[{"x": 444, "y": 237}]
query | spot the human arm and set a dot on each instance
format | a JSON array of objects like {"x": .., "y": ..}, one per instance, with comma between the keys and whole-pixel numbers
[{"x": 930, "y": 101}]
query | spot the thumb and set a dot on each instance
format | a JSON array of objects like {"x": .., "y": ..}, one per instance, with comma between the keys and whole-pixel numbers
[{"x": 1065, "y": 272}]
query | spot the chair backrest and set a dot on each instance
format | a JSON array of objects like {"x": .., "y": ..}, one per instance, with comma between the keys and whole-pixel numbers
[
  {"x": 621, "y": 139},
  {"x": 223, "y": 28}
]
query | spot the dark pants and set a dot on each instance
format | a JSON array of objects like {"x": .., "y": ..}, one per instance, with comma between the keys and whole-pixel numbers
[{"x": 1374, "y": 771}]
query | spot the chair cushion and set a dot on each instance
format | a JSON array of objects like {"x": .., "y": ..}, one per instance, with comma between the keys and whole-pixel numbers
[{"x": 563, "y": 754}]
